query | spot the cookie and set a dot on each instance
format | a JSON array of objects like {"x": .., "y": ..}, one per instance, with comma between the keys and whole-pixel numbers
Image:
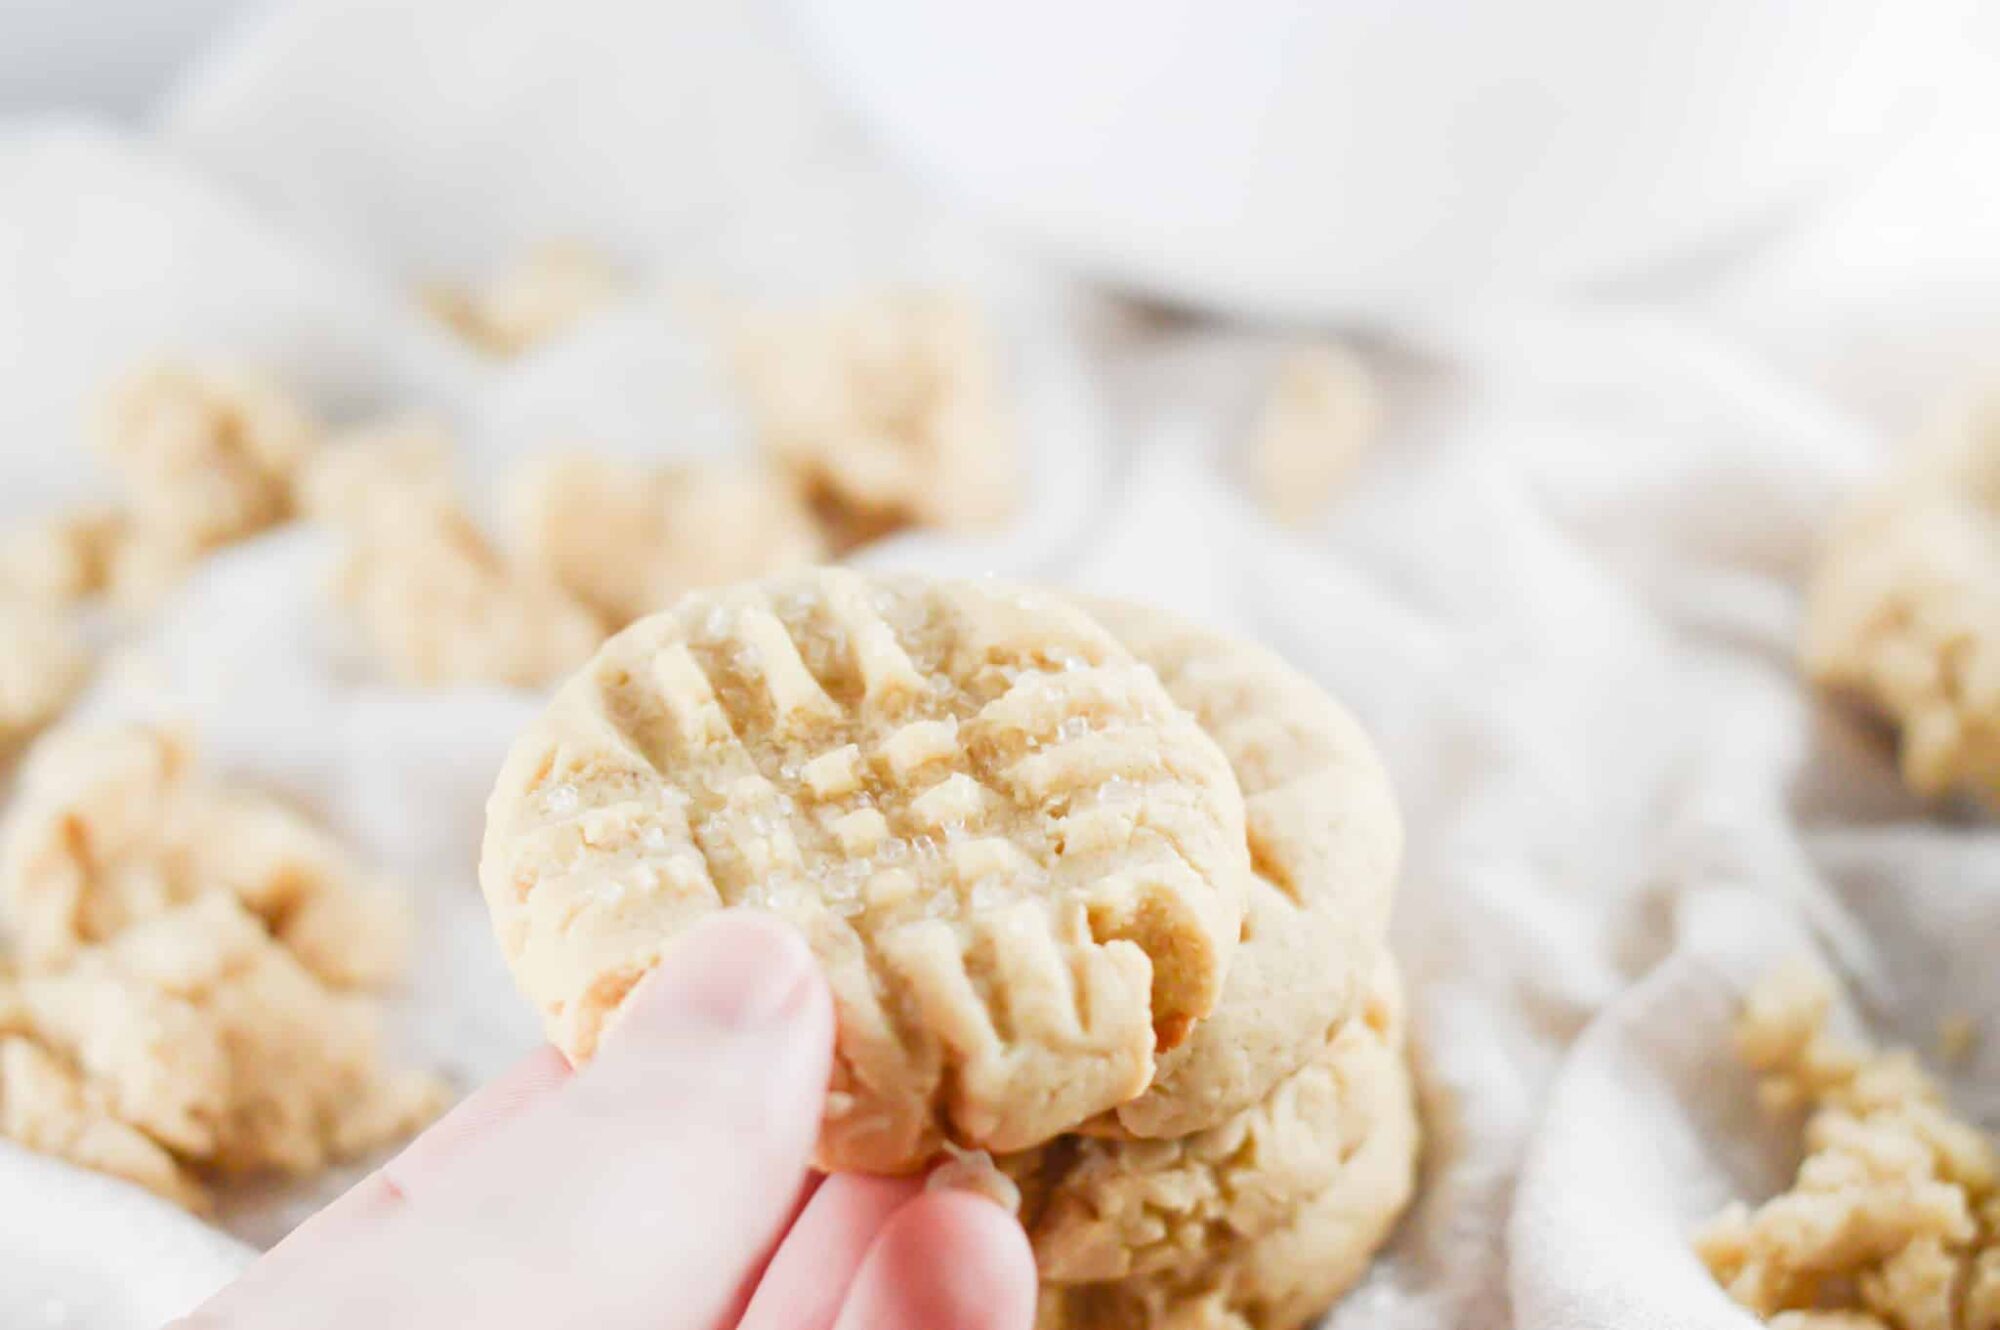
[
  {"x": 199, "y": 1030},
  {"x": 42, "y": 665},
  {"x": 112, "y": 827},
  {"x": 1286, "y": 1277},
  {"x": 1099, "y": 1210},
  {"x": 889, "y": 408},
  {"x": 628, "y": 538},
  {"x": 1325, "y": 840},
  {"x": 1903, "y": 610},
  {"x": 1322, "y": 413},
  {"x": 1020, "y": 863},
  {"x": 206, "y": 454},
  {"x": 553, "y": 288}
]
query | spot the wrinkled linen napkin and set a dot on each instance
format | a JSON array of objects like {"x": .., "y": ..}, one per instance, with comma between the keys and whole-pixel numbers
[{"x": 1562, "y": 592}]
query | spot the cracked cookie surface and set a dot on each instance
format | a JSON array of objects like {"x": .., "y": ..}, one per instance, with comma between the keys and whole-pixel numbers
[
  {"x": 1020, "y": 863},
  {"x": 1100, "y": 1210},
  {"x": 1903, "y": 610},
  {"x": 1325, "y": 842}
]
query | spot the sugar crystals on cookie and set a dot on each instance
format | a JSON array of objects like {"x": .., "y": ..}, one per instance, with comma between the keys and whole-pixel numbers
[{"x": 1021, "y": 863}]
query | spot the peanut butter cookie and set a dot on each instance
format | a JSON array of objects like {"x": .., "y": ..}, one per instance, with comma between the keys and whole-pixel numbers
[{"x": 1020, "y": 862}]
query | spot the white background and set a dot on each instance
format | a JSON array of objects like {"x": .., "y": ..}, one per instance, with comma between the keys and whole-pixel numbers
[{"x": 108, "y": 55}]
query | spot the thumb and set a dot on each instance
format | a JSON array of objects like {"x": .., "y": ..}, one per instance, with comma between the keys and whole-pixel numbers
[
  {"x": 656, "y": 1183},
  {"x": 642, "y": 1193}
]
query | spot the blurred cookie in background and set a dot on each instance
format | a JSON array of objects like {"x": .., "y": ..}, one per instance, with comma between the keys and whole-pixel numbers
[{"x": 1903, "y": 608}]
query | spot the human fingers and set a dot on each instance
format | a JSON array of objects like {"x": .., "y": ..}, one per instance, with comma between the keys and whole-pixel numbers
[
  {"x": 642, "y": 1193},
  {"x": 522, "y": 1086},
  {"x": 808, "y": 1278},
  {"x": 946, "y": 1260},
  {"x": 540, "y": 1073}
]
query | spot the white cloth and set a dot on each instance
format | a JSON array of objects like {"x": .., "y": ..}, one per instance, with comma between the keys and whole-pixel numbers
[
  {"x": 1562, "y": 594},
  {"x": 78, "y": 1250}
]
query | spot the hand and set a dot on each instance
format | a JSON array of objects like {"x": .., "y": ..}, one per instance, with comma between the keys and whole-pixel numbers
[{"x": 664, "y": 1186}]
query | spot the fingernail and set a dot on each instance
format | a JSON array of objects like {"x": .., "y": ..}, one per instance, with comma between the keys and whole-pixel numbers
[{"x": 732, "y": 971}]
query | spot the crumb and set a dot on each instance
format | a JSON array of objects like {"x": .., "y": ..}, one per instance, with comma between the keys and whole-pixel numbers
[
  {"x": 975, "y": 1171},
  {"x": 1903, "y": 610},
  {"x": 1894, "y": 1217},
  {"x": 47, "y": 1107},
  {"x": 199, "y": 1031},
  {"x": 1323, "y": 411},
  {"x": 203, "y": 456},
  {"x": 548, "y": 292},
  {"x": 198, "y": 966},
  {"x": 888, "y": 409},
  {"x": 206, "y": 454},
  {"x": 63, "y": 560},
  {"x": 440, "y": 605},
  {"x": 366, "y": 471},
  {"x": 42, "y": 665},
  {"x": 627, "y": 538},
  {"x": 436, "y": 600},
  {"x": 148, "y": 564},
  {"x": 111, "y": 827},
  {"x": 1956, "y": 1037}
]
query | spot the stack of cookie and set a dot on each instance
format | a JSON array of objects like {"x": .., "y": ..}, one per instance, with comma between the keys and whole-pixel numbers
[
  {"x": 1097, "y": 892},
  {"x": 1254, "y": 1178}
]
